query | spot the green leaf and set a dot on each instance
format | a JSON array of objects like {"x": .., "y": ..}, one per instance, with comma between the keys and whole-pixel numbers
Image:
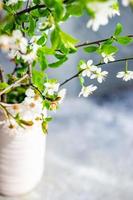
[
  {"x": 58, "y": 63},
  {"x": 59, "y": 10},
  {"x": 124, "y": 40},
  {"x": 42, "y": 40},
  {"x": 109, "y": 49},
  {"x": 48, "y": 119},
  {"x": 42, "y": 59},
  {"x": 68, "y": 40},
  {"x": 109, "y": 41},
  {"x": 81, "y": 79},
  {"x": 48, "y": 51},
  {"x": 32, "y": 25},
  {"x": 118, "y": 29},
  {"x": 48, "y": 3},
  {"x": 75, "y": 8},
  {"x": 38, "y": 78},
  {"x": 36, "y": 1},
  {"x": 45, "y": 127},
  {"x": 81, "y": 62},
  {"x": 90, "y": 49},
  {"x": 26, "y": 123},
  {"x": 46, "y": 104},
  {"x": 55, "y": 39},
  {"x": 3, "y": 85}
]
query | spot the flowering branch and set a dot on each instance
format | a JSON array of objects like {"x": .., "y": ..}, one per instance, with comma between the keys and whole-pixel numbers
[
  {"x": 15, "y": 84},
  {"x": 77, "y": 74},
  {"x": 87, "y": 43},
  {"x": 27, "y": 49},
  {"x": 63, "y": 83}
]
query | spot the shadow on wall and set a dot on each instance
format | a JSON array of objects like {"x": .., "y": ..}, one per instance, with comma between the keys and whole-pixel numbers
[{"x": 77, "y": 27}]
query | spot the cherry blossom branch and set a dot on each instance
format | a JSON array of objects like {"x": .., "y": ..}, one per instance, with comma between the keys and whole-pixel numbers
[
  {"x": 87, "y": 43},
  {"x": 28, "y": 10},
  {"x": 77, "y": 74},
  {"x": 15, "y": 84}
]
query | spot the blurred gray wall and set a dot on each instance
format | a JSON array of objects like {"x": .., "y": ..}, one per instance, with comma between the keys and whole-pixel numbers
[{"x": 77, "y": 27}]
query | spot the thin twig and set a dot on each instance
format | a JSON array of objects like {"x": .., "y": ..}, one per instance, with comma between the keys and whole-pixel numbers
[
  {"x": 15, "y": 68},
  {"x": 28, "y": 10},
  {"x": 41, "y": 94},
  {"x": 7, "y": 113},
  {"x": 27, "y": 3},
  {"x": 15, "y": 84},
  {"x": 2, "y": 79},
  {"x": 77, "y": 74},
  {"x": 1, "y": 75},
  {"x": 30, "y": 73},
  {"x": 87, "y": 43}
]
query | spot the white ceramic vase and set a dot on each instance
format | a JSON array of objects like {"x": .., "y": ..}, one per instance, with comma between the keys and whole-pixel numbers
[{"x": 22, "y": 153}]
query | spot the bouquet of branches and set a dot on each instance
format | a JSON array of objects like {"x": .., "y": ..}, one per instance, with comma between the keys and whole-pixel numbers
[{"x": 30, "y": 32}]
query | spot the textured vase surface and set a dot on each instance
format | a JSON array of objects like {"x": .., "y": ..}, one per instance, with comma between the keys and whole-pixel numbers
[{"x": 22, "y": 152}]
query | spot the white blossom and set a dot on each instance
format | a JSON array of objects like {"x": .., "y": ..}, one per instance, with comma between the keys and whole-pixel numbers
[
  {"x": 102, "y": 12},
  {"x": 108, "y": 57},
  {"x": 33, "y": 104},
  {"x": 16, "y": 44},
  {"x": 30, "y": 92},
  {"x": 32, "y": 55},
  {"x": 19, "y": 41},
  {"x": 125, "y": 75},
  {"x": 88, "y": 68},
  {"x": 62, "y": 94},
  {"x": 51, "y": 88},
  {"x": 86, "y": 91},
  {"x": 99, "y": 75},
  {"x": 126, "y": 2}
]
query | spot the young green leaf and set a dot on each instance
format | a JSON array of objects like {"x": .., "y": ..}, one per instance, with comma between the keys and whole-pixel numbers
[
  {"x": 118, "y": 29},
  {"x": 81, "y": 79},
  {"x": 68, "y": 40},
  {"x": 45, "y": 127},
  {"x": 3, "y": 85},
  {"x": 38, "y": 79},
  {"x": 42, "y": 59},
  {"x": 124, "y": 40},
  {"x": 55, "y": 39},
  {"x": 90, "y": 49},
  {"x": 58, "y": 63},
  {"x": 109, "y": 49}
]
